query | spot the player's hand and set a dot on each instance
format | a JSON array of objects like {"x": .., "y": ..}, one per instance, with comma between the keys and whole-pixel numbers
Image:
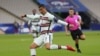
[
  {"x": 71, "y": 25},
  {"x": 23, "y": 16},
  {"x": 67, "y": 33}
]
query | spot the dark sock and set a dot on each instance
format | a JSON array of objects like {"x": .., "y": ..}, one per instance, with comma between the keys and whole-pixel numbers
[
  {"x": 59, "y": 47},
  {"x": 33, "y": 55},
  {"x": 77, "y": 46}
]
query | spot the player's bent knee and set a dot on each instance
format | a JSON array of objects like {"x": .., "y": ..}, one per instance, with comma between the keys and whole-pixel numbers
[
  {"x": 83, "y": 37},
  {"x": 33, "y": 45}
]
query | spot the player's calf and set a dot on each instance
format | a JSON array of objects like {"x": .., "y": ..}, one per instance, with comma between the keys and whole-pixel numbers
[
  {"x": 52, "y": 46},
  {"x": 33, "y": 46},
  {"x": 47, "y": 46},
  {"x": 55, "y": 47}
]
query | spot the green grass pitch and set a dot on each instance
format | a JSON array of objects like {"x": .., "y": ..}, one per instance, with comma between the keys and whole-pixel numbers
[{"x": 18, "y": 45}]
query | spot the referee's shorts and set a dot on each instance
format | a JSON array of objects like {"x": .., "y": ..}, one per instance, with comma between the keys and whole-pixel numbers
[{"x": 76, "y": 34}]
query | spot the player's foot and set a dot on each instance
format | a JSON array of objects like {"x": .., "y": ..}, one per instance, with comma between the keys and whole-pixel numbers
[
  {"x": 70, "y": 48},
  {"x": 78, "y": 50}
]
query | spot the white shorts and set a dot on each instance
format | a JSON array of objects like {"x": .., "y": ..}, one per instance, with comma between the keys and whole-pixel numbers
[
  {"x": 44, "y": 38},
  {"x": 36, "y": 28}
]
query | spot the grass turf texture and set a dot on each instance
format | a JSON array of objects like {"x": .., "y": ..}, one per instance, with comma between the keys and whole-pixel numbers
[{"x": 18, "y": 45}]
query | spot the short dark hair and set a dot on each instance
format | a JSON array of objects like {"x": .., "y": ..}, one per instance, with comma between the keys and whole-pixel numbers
[
  {"x": 41, "y": 5},
  {"x": 71, "y": 9}
]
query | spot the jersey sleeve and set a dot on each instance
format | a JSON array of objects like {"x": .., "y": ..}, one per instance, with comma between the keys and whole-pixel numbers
[
  {"x": 51, "y": 17},
  {"x": 29, "y": 16},
  {"x": 60, "y": 21},
  {"x": 32, "y": 17}
]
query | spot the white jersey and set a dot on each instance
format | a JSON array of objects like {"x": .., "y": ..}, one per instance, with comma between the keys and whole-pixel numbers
[
  {"x": 46, "y": 21},
  {"x": 46, "y": 24},
  {"x": 34, "y": 19}
]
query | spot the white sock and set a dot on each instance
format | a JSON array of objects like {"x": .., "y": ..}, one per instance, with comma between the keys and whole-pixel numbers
[
  {"x": 32, "y": 52},
  {"x": 54, "y": 46},
  {"x": 63, "y": 47}
]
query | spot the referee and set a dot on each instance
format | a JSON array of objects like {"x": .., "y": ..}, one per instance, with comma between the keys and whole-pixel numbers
[{"x": 74, "y": 24}]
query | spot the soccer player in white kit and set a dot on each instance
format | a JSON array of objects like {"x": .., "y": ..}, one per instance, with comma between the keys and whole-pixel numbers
[
  {"x": 46, "y": 25},
  {"x": 33, "y": 20}
]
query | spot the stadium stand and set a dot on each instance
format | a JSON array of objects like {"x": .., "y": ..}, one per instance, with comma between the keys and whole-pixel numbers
[
  {"x": 18, "y": 7},
  {"x": 62, "y": 5},
  {"x": 90, "y": 14},
  {"x": 93, "y": 6},
  {"x": 11, "y": 10},
  {"x": 6, "y": 17}
]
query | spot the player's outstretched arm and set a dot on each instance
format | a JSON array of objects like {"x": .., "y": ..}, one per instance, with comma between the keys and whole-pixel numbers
[
  {"x": 60, "y": 21},
  {"x": 23, "y": 16}
]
